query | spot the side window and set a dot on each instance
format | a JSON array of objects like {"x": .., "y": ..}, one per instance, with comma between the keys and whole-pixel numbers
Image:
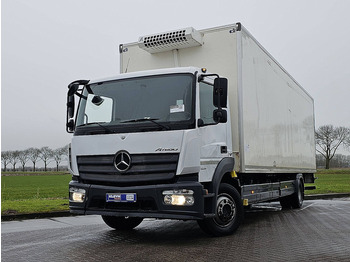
[{"x": 206, "y": 103}]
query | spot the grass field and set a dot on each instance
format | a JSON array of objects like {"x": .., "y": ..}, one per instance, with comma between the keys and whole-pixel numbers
[
  {"x": 31, "y": 194},
  {"x": 47, "y": 192},
  {"x": 331, "y": 181}
]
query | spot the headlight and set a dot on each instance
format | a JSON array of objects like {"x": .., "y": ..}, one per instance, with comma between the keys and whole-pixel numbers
[
  {"x": 77, "y": 194},
  {"x": 182, "y": 197}
]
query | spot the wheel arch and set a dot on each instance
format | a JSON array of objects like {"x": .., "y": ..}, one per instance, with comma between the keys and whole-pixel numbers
[{"x": 222, "y": 174}]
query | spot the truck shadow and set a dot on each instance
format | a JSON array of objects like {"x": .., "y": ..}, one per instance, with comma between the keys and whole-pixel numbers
[
  {"x": 166, "y": 240},
  {"x": 173, "y": 232},
  {"x": 159, "y": 232}
]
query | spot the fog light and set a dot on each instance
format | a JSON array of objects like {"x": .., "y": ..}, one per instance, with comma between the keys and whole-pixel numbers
[
  {"x": 77, "y": 194},
  {"x": 181, "y": 197}
]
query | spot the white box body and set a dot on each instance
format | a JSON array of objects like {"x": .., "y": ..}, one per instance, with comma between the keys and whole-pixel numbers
[{"x": 271, "y": 115}]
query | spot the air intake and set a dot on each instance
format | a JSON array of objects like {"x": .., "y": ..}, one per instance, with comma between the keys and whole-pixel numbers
[{"x": 171, "y": 40}]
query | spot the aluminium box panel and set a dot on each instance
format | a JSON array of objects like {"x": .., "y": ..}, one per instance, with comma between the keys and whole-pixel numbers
[{"x": 277, "y": 115}]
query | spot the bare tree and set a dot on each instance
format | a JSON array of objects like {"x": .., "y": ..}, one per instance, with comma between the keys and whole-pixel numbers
[
  {"x": 14, "y": 158},
  {"x": 46, "y": 155},
  {"x": 5, "y": 159},
  {"x": 59, "y": 155},
  {"x": 33, "y": 154},
  {"x": 347, "y": 140},
  {"x": 328, "y": 140},
  {"x": 338, "y": 161},
  {"x": 23, "y": 158}
]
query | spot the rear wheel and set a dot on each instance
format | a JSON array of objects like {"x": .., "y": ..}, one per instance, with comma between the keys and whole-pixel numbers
[
  {"x": 297, "y": 198},
  {"x": 228, "y": 215},
  {"x": 285, "y": 202},
  {"x": 122, "y": 223}
]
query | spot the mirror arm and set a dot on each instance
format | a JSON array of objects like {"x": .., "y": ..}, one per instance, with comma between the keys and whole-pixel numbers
[
  {"x": 88, "y": 88},
  {"x": 73, "y": 87},
  {"x": 201, "y": 77},
  {"x": 79, "y": 82},
  {"x": 81, "y": 96}
]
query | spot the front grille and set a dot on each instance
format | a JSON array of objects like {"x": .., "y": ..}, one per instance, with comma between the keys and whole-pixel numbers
[{"x": 144, "y": 168}]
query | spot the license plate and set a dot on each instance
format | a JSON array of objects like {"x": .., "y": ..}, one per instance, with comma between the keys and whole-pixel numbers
[{"x": 121, "y": 197}]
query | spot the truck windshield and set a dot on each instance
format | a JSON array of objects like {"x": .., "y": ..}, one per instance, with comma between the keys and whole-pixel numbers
[{"x": 130, "y": 105}]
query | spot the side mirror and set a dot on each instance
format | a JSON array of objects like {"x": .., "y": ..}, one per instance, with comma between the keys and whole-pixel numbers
[
  {"x": 220, "y": 92},
  {"x": 70, "y": 114},
  {"x": 220, "y": 115},
  {"x": 73, "y": 90},
  {"x": 70, "y": 106}
]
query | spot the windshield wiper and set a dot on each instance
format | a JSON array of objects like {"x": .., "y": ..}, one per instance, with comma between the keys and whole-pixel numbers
[
  {"x": 153, "y": 120},
  {"x": 99, "y": 124}
]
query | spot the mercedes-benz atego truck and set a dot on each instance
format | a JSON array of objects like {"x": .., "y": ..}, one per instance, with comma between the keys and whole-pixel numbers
[{"x": 197, "y": 125}]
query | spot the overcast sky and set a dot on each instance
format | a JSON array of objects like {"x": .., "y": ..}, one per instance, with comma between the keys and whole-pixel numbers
[{"x": 45, "y": 45}]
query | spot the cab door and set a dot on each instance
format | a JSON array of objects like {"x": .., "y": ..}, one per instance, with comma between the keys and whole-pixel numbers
[{"x": 213, "y": 136}]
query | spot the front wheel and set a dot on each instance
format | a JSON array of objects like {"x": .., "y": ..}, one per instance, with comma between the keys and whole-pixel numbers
[
  {"x": 229, "y": 213},
  {"x": 122, "y": 223}
]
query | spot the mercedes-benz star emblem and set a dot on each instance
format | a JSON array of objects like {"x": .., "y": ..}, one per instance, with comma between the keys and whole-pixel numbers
[{"x": 122, "y": 161}]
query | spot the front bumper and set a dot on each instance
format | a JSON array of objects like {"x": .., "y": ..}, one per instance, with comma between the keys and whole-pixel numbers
[{"x": 149, "y": 202}]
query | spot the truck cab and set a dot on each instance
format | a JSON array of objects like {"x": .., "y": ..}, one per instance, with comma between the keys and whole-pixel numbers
[{"x": 147, "y": 144}]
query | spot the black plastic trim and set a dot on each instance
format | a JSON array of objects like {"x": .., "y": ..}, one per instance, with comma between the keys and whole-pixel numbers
[
  {"x": 153, "y": 168},
  {"x": 226, "y": 165},
  {"x": 149, "y": 201},
  {"x": 239, "y": 26}
]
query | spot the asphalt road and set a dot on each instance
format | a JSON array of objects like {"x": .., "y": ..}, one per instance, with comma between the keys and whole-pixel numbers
[{"x": 320, "y": 231}]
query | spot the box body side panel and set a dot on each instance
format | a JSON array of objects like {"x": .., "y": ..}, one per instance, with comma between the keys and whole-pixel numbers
[{"x": 277, "y": 115}]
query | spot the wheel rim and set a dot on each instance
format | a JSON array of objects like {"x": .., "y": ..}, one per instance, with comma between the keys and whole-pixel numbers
[{"x": 225, "y": 210}]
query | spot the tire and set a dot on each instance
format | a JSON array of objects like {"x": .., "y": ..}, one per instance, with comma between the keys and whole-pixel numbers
[
  {"x": 297, "y": 198},
  {"x": 122, "y": 223},
  {"x": 229, "y": 213},
  {"x": 285, "y": 202}
]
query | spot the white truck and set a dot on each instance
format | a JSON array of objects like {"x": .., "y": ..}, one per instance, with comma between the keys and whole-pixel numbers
[{"x": 198, "y": 125}]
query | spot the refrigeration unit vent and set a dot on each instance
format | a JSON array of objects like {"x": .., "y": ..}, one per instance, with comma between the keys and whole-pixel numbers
[{"x": 171, "y": 40}]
